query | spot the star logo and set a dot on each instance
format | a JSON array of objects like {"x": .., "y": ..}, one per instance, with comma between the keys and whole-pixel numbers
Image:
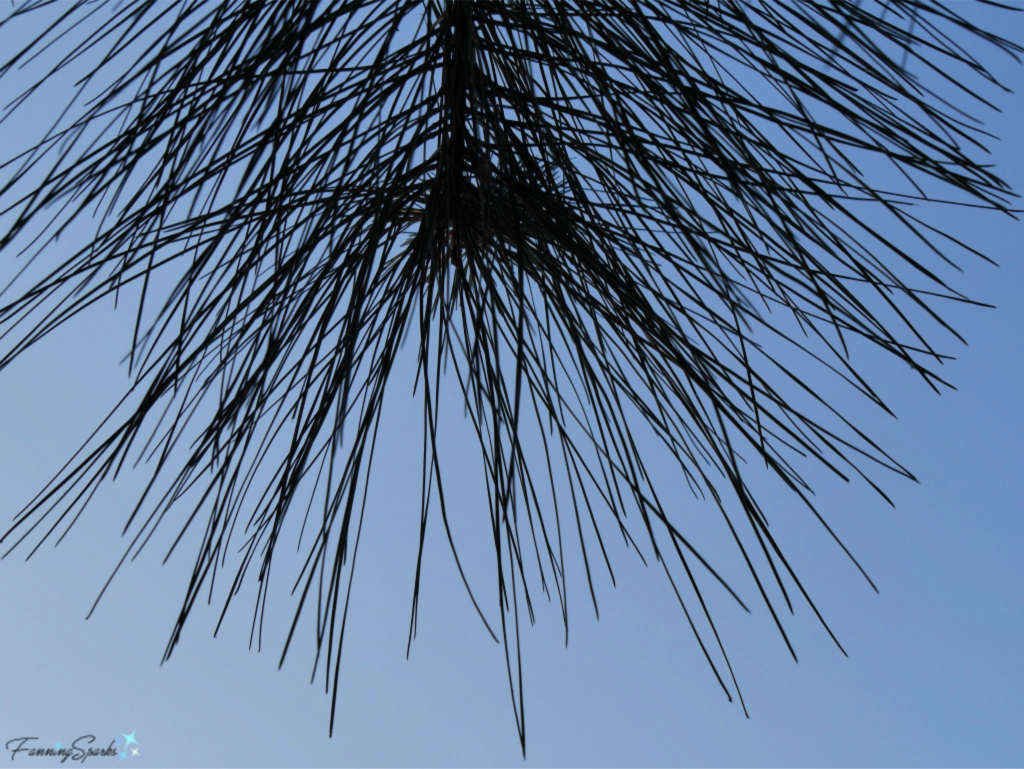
[
  {"x": 58, "y": 746},
  {"x": 129, "y": 738},
  {"x": 123, "y": 756},
  {"x": 135, "y": 751}
]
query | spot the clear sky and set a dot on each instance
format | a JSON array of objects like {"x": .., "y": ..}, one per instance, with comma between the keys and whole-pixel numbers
[{"x": 933, "y": 676}]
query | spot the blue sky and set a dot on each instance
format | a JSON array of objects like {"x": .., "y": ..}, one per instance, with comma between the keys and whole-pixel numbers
[{"x": 932, "y": 678}]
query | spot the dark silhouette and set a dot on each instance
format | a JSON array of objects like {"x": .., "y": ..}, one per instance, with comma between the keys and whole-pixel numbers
[{"x": 576, "y": 214}]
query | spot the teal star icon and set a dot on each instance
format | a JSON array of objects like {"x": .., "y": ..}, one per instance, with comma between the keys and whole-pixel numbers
[
  {"x": 123, "y": 756},
  {"x": 129, "y": 738},
  {"x": 58, "y": 746}
]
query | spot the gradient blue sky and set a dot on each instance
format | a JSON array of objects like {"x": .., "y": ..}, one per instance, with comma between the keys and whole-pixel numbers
[{"x": 933, "y": 678}]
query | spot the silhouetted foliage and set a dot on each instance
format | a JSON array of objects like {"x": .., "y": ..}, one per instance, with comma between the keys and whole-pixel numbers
[{"x": 587, "y": 217}]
